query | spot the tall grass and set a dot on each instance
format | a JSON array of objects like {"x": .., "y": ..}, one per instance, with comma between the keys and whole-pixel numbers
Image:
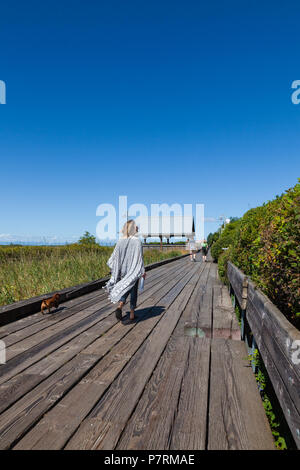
[{"x": 27, "y": 271}]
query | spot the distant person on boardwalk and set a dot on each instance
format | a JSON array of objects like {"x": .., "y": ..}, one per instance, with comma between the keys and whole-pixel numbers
[
  {"x": 193, "y": 249},
  {"x": 127, "y": 267},
  {"x": 204, "y": 249}
]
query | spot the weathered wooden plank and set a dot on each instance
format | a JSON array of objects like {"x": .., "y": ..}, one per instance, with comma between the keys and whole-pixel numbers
[
  {"x": 180, "y": 284},
  {"x": 199, "y": 308},
  {"x": 19, "y": 385},
  {"x": 164, "y": 262},
  {"x": 151, "y": 424},
  {"x": 204, "y": 320},
  {"x": 189, "y": 425},
  {"x": 55, "y": 329},
  {"x": 154, "y": 343},
  {"x": 34, "y": 334},
  {"x": 103, "y": 427},
  {"x": 193, "y": 306},
  {"x": 209, "y": 258},
  {"x": 76, "y": 304},
  {"x": 91, "y": 387},
  {"x": 213, "y": 277},
  {"x": 208, "y": 269},
  {"x": 236, "y": 416},
  {"x": 22, "y": 383},
  {"x": 86, "y": 391},
  {"x": 32, "y": 355},
  {"x": 17, "y": 420},
  {"x": 65, "y": 418},
  {"x": 225, "y": 324},
  {"x": 164, "y": 296},
  {"x": 167, "y": 276},
  {"x": 27, "y": 357},
  {"x": 12, "y": 312},
  {"x": 239, "y": 283},
  {"x": 52, "y": 319},
  {"x": 27, "y": 321},
  {"x": 183, "y": 301},
  {"x": 16, "y": 388}
]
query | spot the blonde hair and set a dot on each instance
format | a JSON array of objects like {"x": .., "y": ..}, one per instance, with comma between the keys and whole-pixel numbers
[{"x": 129, "y": 229}]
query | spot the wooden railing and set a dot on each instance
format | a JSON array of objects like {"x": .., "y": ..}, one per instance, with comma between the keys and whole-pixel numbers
[{"x": 264, "y": 327}]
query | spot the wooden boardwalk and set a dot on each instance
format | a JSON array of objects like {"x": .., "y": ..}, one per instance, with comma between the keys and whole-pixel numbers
[{"x": 175, "y": 378}]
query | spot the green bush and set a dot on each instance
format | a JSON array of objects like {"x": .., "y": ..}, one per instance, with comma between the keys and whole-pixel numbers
[
  {"x": 277, "y": 268},
  {"x": 212, "y": 238},
  {"x": 225, "y": 239},
  {"x": 279, "y": 427},
  {"x": 87, "y": 239},
  {"x": 265, "y": 244},
  {"x": 222, "y": 263}
]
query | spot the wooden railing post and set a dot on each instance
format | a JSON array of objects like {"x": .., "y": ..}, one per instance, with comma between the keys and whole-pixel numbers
[
  {"x": 244, "y": 306},
  {"x": 243, "y": 319}
]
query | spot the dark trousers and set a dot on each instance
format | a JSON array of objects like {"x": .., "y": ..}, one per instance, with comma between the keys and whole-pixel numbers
[{"x": 133, "y": 296}]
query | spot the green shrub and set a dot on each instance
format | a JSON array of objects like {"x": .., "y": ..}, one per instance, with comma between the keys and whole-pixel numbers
[
  {"x": 279, "y": 427},
  {"x": 268, "y": 250},
  {"x": 265, "y": 245},
  {"x": 222, "y": 263},
  {"x": 212, "y": 238},
  {"x": 225, "y": 239},
  {"x": 87, "y": 239}
]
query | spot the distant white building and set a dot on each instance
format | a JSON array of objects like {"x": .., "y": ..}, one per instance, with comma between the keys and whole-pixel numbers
[{"x": 166, "y": 226}]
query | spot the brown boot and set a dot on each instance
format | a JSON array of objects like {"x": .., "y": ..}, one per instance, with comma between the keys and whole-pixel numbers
[{"x": 132, "y": 317}]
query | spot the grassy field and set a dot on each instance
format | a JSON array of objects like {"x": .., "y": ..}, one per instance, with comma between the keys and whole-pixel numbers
[{"x": 27, "y": 271}]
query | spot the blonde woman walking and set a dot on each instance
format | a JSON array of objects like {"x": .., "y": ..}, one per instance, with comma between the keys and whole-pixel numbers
[{"x": 127, "y": 267}]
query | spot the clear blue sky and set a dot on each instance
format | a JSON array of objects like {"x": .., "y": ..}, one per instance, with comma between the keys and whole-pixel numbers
[{"x": 162, "y": 101}]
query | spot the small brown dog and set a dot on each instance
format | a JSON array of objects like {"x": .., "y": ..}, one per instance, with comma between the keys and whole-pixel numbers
[{"x": 48, "y": 303}]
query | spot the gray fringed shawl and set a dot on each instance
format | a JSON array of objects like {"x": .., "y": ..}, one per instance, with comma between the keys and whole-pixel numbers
[{"x": 127, "y": 266}]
